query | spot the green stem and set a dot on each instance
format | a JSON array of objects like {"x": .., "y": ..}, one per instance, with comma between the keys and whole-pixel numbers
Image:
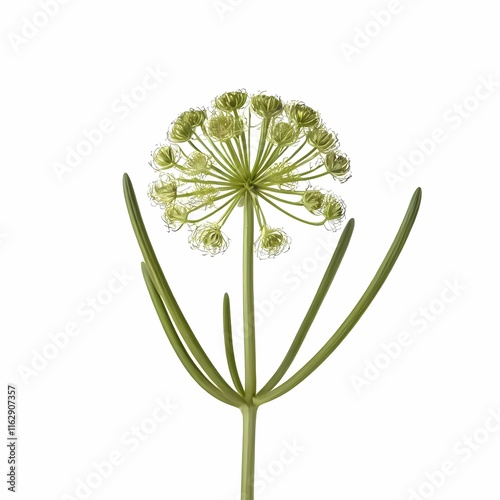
[
  {"x": 249, "y": 412},
  {"x": 273, "y": 156},
  {"x": 298, "y": 149},
  {"x": 277, "y": 207},
  {"x": 248, "y": 298},
  {"x": 262, "y": 141},
  {"x": 227, "y": 168}
]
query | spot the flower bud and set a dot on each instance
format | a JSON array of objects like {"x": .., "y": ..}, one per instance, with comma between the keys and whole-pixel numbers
[
  {"x": 272, "y": 242},
  {"x": 221, "y": 127},
  {"x": 312, "y": 200},
  {"x": 231, "y": 101},
  {"x": 163, "y": 191},
  {"x": 283, "y": 134},
  {"x": 266, "y": 106},
  {"x": 303, "y": 116},
  {"x": 165, "y": 157},
  {"x": 209, "y": 239},
  {"x": 338, "y": 165},
  {"x": 322, "y": 140},
  {"x": 333, "y": 211},
  {"x": 195, "y": 117},
  {"x": 198, "y": 163},
  {"x": 181, "y": 131},
  {"x": 175, "y": 216}
]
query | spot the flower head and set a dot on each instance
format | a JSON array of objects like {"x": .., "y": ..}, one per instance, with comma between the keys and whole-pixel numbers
[
  {"x": 231, "y": 101},
  {"x": 252, "y": 150},
  {"x": 338, "y": 165},
  {"x": 175, "y": 216},
  {"x": 333, "y": 210},
  {"x": 313, "y": 200},
  {"x": 209, "y": 239},
  {"x": 266, "y": 106},
  {"x": 272, "y": 242},
  {"x": 223, "y": 126},
  {"x": 198, "y": 163},
  {"x": 165, "y": 157},
  {"x": 194, "y": 117},
  {"x": 303, "y": 116},
  {"x": 283, "y": 134},
  {"x": 163, "y": 191},
  {"x": 181, "y": 131},
  {"x": 321, "y": 139}
]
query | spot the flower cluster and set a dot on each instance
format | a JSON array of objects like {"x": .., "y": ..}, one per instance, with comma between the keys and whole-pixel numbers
[{"x": 209, "y": 166}]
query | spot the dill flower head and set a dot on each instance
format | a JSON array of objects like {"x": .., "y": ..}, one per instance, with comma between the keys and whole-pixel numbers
[{"x": 254, "y": 148}]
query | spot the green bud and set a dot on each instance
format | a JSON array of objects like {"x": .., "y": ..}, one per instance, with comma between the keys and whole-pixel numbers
[
  {"x": 283, "y": 134},
  {"x": 209, "y": 239},
  {"x": 195, "y": 117},
  {"x": 313, "y": 200},
  {"x": 181, "y": 131},
  {"x": 175, "y": 216},
  {"x": 165, "y": 157},
  {"x": 199, "y": 163},
  {"x": 222, "y": 127},
  {"x": 338, "y": 165},
  {"x": 231, "y": 101},
  {"x": 333, "y": 211},
  {"x": 163, "y": 191},
  {"x": 272, "y": 242},
  {"x": 266, "y": 106},
  {"x": 322, "y": 140},
  {"x": 303, "y": 116}
]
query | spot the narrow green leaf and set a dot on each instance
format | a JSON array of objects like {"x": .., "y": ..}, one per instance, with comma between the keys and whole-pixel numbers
[
  {"x": 324, "y": 286},
  {"x": 228, "y": 343},
  {"x": 165, "y": 292},
  {"x": 179, "y": 348},
  {"x": 358, "y": 310}
]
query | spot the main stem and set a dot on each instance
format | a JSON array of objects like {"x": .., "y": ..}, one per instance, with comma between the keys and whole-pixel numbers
[
  {"x": 249, "y": 409},
  {"x": 248, "y": 458}
]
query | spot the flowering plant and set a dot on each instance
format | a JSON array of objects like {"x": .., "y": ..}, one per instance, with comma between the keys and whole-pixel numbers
[{"x": 207, "y": 168}]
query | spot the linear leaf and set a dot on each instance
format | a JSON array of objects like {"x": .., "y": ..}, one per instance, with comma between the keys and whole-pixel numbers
[
  {"x": 358, "y": 310},
  {"x": 164, "y": 290},
  {"x": 228, "y": 344},
  {"x": 179, "y": 348},
  {"x": 324, "y": 286}
]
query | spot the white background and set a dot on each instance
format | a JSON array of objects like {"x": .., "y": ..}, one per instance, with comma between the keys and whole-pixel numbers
[{"x": 63, "y": 238}]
